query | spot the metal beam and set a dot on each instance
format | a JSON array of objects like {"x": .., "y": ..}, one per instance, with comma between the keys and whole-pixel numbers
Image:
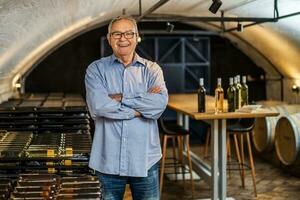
[
  {"x": 275, "y": 20},
  {"x": 152, "y": 9},
  {"x": 171, "y": 18},
  {"x": 276, "y": 11},
  {"x": 288, "y": 15},
  {"x": 140, "y": 7},
  {"x": 178, "y": 32}
]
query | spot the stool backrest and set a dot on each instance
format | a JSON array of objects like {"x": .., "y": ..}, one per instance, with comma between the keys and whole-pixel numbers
[
  {"x": 161, "y": 125},
  {"x": 247, "y": 122}
]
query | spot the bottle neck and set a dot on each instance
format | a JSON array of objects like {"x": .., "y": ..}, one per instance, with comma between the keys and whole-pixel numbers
[
  {"x": 244, "y": 80},
  {"x": 219, "y": 83},
  {"x": 201, "y": 82},
  {"x": 230, "y": 82}
]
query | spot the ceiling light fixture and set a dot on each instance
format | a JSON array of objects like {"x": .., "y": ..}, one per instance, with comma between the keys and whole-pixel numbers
[
  {"x": 240, "y": 27},
  {"x": 169, "y": 27},
  {"x": 295, "y": 89},
  {"x": 215, "y": 6}
]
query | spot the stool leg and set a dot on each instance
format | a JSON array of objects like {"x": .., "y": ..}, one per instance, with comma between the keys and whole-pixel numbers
[
  {"x": 243, "y": 158},
  {"x": 174, "y": 157},
  {"x": 237, "y": 152},
  {"x": 180, "y": 155},
  {"x": 251, "y": 164},
  {"x": 207, "y": 139},
  {"x": 190, "y": 163},
  {"x": 162, "y": 168},
  {"x": 228, "y": 153}
]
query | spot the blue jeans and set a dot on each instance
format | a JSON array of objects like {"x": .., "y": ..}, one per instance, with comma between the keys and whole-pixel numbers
[{"x": 142, "y": 188}]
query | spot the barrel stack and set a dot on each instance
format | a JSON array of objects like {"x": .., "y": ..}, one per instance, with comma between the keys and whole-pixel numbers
[{"x": 277, "y": 139}]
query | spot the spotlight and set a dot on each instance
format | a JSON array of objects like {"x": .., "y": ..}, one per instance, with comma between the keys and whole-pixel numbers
[
  {"x": 215, "y": 6},
  {"x": 169, "y": 27},
  {"x": 240, "y": 27},
  {"x": 295, "y": 89}
]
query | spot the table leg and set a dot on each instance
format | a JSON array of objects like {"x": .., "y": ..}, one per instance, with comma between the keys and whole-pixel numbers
[
  {"x": 179, "y": 118},
  {"x": 222, "y": 159},
  {"x": 214, "y": 162},
  {"x": 186, "y": 123}
]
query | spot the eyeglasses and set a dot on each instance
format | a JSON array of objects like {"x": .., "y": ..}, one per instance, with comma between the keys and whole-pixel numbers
[{"x": 118, "y": 35}]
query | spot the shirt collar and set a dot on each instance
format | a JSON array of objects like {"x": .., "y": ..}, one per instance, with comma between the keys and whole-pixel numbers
[{"x": 136, "y": 59}]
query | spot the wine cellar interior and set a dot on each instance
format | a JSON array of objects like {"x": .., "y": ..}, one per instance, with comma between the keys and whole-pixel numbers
[{"x": 46, "y": 128}]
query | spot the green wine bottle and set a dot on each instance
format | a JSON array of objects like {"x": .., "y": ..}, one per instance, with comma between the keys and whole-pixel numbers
[
  {"x": 244, "y": 92},
  {"x": 238, "y": 95},
  {"x": 231, "y": 96},
  {"x": 201, "y": 96}
]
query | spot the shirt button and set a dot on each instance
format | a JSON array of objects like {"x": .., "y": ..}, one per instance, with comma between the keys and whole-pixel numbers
[{"x": 124, "y": 139}]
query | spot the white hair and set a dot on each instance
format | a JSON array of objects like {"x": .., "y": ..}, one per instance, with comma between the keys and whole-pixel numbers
[{"x": 120, "y": 18}]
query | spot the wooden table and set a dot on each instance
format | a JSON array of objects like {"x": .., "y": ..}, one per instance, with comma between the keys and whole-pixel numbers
[{"x": 186, "y": 106}]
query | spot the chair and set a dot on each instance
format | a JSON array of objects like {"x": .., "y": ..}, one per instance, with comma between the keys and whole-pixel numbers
[
  {"x": 240, "y": 127},
  {"x": 175, "y": 132}
]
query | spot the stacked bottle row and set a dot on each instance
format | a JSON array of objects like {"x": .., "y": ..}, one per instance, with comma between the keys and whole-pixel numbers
[
  {"x": 237, "y": 94},
  {"x": 51, "y": 186}
]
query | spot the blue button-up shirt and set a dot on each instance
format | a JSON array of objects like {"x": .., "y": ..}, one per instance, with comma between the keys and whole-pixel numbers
[{"x": 124, "y": 144}]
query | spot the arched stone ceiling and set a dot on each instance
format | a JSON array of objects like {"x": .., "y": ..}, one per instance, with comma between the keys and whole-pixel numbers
[{"x": 29, "y": 29}]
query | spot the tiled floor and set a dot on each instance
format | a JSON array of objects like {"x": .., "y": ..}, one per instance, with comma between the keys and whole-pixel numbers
[{"x": 272, "y": 184}]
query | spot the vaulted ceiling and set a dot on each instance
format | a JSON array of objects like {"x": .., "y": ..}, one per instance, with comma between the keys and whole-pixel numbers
[{"x": 31, "y": 29}]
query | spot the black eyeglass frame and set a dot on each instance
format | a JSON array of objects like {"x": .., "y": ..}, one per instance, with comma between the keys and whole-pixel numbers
[{"x": 127, "y": 34}]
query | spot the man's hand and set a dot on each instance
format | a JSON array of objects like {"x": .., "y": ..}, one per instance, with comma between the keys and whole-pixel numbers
[
  {"x": 155, "y": 89},
  {"x": 117, "y": 97},
  {"x": 137, "y": 114}
]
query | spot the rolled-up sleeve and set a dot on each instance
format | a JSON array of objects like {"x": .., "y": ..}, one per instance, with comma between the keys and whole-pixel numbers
[
  {"x": 150, "y": 105},
  {"x": 98, "y": 101}
]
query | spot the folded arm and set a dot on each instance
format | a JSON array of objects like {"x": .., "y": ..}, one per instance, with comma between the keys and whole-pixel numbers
[
  {"x": 152, "y": 103},
  {"x": 98, "y": 100}
]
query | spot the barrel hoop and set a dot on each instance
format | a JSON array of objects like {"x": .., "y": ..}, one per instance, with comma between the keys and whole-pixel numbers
[
  {"x": 297, "y": 136},
  {"x": 295, "y": 130},
  {"x": 269, "y": 124}
]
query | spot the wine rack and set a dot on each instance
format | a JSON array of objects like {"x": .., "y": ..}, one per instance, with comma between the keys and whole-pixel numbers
[
  {"x": 50, "y": 186},
  {"x": 44, "y": 113},
  {"x": 45, "y": 145}
]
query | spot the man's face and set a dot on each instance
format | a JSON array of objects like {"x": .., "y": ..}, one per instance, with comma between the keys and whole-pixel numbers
[{"x": 123, "y": 38}]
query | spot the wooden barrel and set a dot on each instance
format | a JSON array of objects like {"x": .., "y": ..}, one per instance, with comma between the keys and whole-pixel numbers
[
  {"x": 287, "y": 139},
  {"x": 264, "y": 130}
]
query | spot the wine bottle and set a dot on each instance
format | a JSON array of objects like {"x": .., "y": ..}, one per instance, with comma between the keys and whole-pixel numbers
[
  {"x": 231, "y": 96},
  {"x": 238, "y": 95},
  {"x": 201, "y": 96},
  {"x": 244, "y": 92},
  {"x": 219, "y": 96}
]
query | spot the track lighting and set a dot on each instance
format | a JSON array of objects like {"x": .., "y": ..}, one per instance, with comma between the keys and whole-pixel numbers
[
  {"x": 215, "y": 6},
  {"x": 240, "y": 27},
  {"x": 169, "y": 27}
]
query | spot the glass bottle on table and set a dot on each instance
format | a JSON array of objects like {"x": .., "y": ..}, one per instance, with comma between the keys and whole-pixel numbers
[
  {"x": 231, "y": 96},
  {"x": 238, "y": 95},
  {"x": 219, "y": 96},
  {"x": 201, "y": 96},
  {"x": 244, "y": 92}
]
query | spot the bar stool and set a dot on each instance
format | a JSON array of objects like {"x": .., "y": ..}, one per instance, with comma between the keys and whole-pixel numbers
[
  {"x": 244, "y": 127},
  {"x": 240, "y": 127},
  {"x": 175, "y": 132}
]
